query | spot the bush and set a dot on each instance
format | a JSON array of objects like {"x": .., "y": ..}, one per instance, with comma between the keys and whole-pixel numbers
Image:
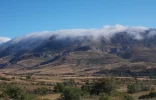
[
  {"x": 128, "y": 97},
  {"x": 71, "y": 94},
  {"x": 43, "y": 91},
  {"x": 133, "y": 88},
  {"x": 17, "y": 93},
  {"x": 59, "y": 88},
  {"x": 137, "y": 87},
  {"x": 86, "y": 87},
  {"x": 46, "y": 99},
  {"x": 14, "y": 92},
  {"x": 104, "y": 96},
  {"x": 28, "y": 77},
  {"x": 148, "y": 96},
  {"x": 5, "y": 79},
  {"x": 30, "y": 96},
  {"x": 70, "y": 83},
  {"x": 104, "y": 86}
]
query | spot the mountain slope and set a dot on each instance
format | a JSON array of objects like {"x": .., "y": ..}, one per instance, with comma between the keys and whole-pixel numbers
[{"x": 81, "y": 51}]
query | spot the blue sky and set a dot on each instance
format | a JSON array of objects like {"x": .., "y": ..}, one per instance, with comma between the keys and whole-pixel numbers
[{"x": 19, "y": 17}]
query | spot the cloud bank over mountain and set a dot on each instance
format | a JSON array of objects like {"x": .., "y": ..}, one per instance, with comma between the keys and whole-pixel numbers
[
  {"x": 106, "y": 32},
  {"x": 4, "y": 39},
  {"x": 61, "y": 39}
]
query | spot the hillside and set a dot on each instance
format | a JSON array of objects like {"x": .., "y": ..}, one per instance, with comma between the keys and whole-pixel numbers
[{"x": 111, "y": 50}]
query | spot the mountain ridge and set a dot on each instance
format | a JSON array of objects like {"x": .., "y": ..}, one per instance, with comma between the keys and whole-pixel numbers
[{"x": 81, "y": 49}]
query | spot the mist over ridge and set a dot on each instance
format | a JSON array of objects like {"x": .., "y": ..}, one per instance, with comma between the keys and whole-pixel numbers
[
  {"x": 106, "y": 31},
  {"x": 74, "y": 38}
]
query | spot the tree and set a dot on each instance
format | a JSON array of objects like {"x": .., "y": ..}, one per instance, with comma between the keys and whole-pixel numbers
[
  {"x": 28, "y": 77},
  {"x": 107, "y": 86},
  {"x": 59, "y": 87},
  {"x": 71, "y": 94},
  {"x": 86, "y": 87}
]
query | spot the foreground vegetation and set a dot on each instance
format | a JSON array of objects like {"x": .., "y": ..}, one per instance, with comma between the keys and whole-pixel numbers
[{"x": 95, "y": 88}]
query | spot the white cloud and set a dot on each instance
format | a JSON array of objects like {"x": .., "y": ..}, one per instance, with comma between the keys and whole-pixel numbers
[
  {"x": 152, "y": 33},
  {"x": 4, "y": 39},
  {"x": 36, "y": 38},
  {"x": 106, "y": 31}
]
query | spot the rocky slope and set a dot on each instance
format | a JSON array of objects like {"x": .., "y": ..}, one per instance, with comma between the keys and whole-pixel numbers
[{"x": 108, "y": 50}]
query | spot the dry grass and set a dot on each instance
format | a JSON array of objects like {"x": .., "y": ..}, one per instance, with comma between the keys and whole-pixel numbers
[
  {"x": 137, "y": 95},
  {"x": 122, "y": 89},
  {"x": 20, "y": 81},
  {"x": 50, "y": 96}
]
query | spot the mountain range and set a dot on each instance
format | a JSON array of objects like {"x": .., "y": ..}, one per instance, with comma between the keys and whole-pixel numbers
[{"x": 110, "y": 50}]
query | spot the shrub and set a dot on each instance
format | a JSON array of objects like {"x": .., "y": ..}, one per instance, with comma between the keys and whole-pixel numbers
[
  {"x": 104, "y": 86},
  {"x": 148, "y": 96},
  {"x": 5, "y": 79},
  {"x": 128, "y": 97},
  {"x": 28, "y": 77},
  {"x": 17, "y": 93},
  {"x": 86, "y": 87},
  {"x": 71, "y": 94},
  {"x": 13, "y": 78},
  {"x": 104, "y": 96},
  {"x": 137, "y": 87},
  {"x": 43, "y": 91},
  {"x": 133, "y": 88},
  {"x": 30, "y": 96},
  {"x": 59, "y": 87},
  {"x": 70, "y": 83},
  {"x": 14, "y": 92},
  {"x": 46, "y": 99}
]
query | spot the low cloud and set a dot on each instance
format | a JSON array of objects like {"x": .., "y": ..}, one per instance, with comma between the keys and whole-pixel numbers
[
  {"x": 34, "y": 39},
  {"x": 4, "y": 39},
  {"x": 106, "y": 31},
  {"x": 152, "y": 33}
]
